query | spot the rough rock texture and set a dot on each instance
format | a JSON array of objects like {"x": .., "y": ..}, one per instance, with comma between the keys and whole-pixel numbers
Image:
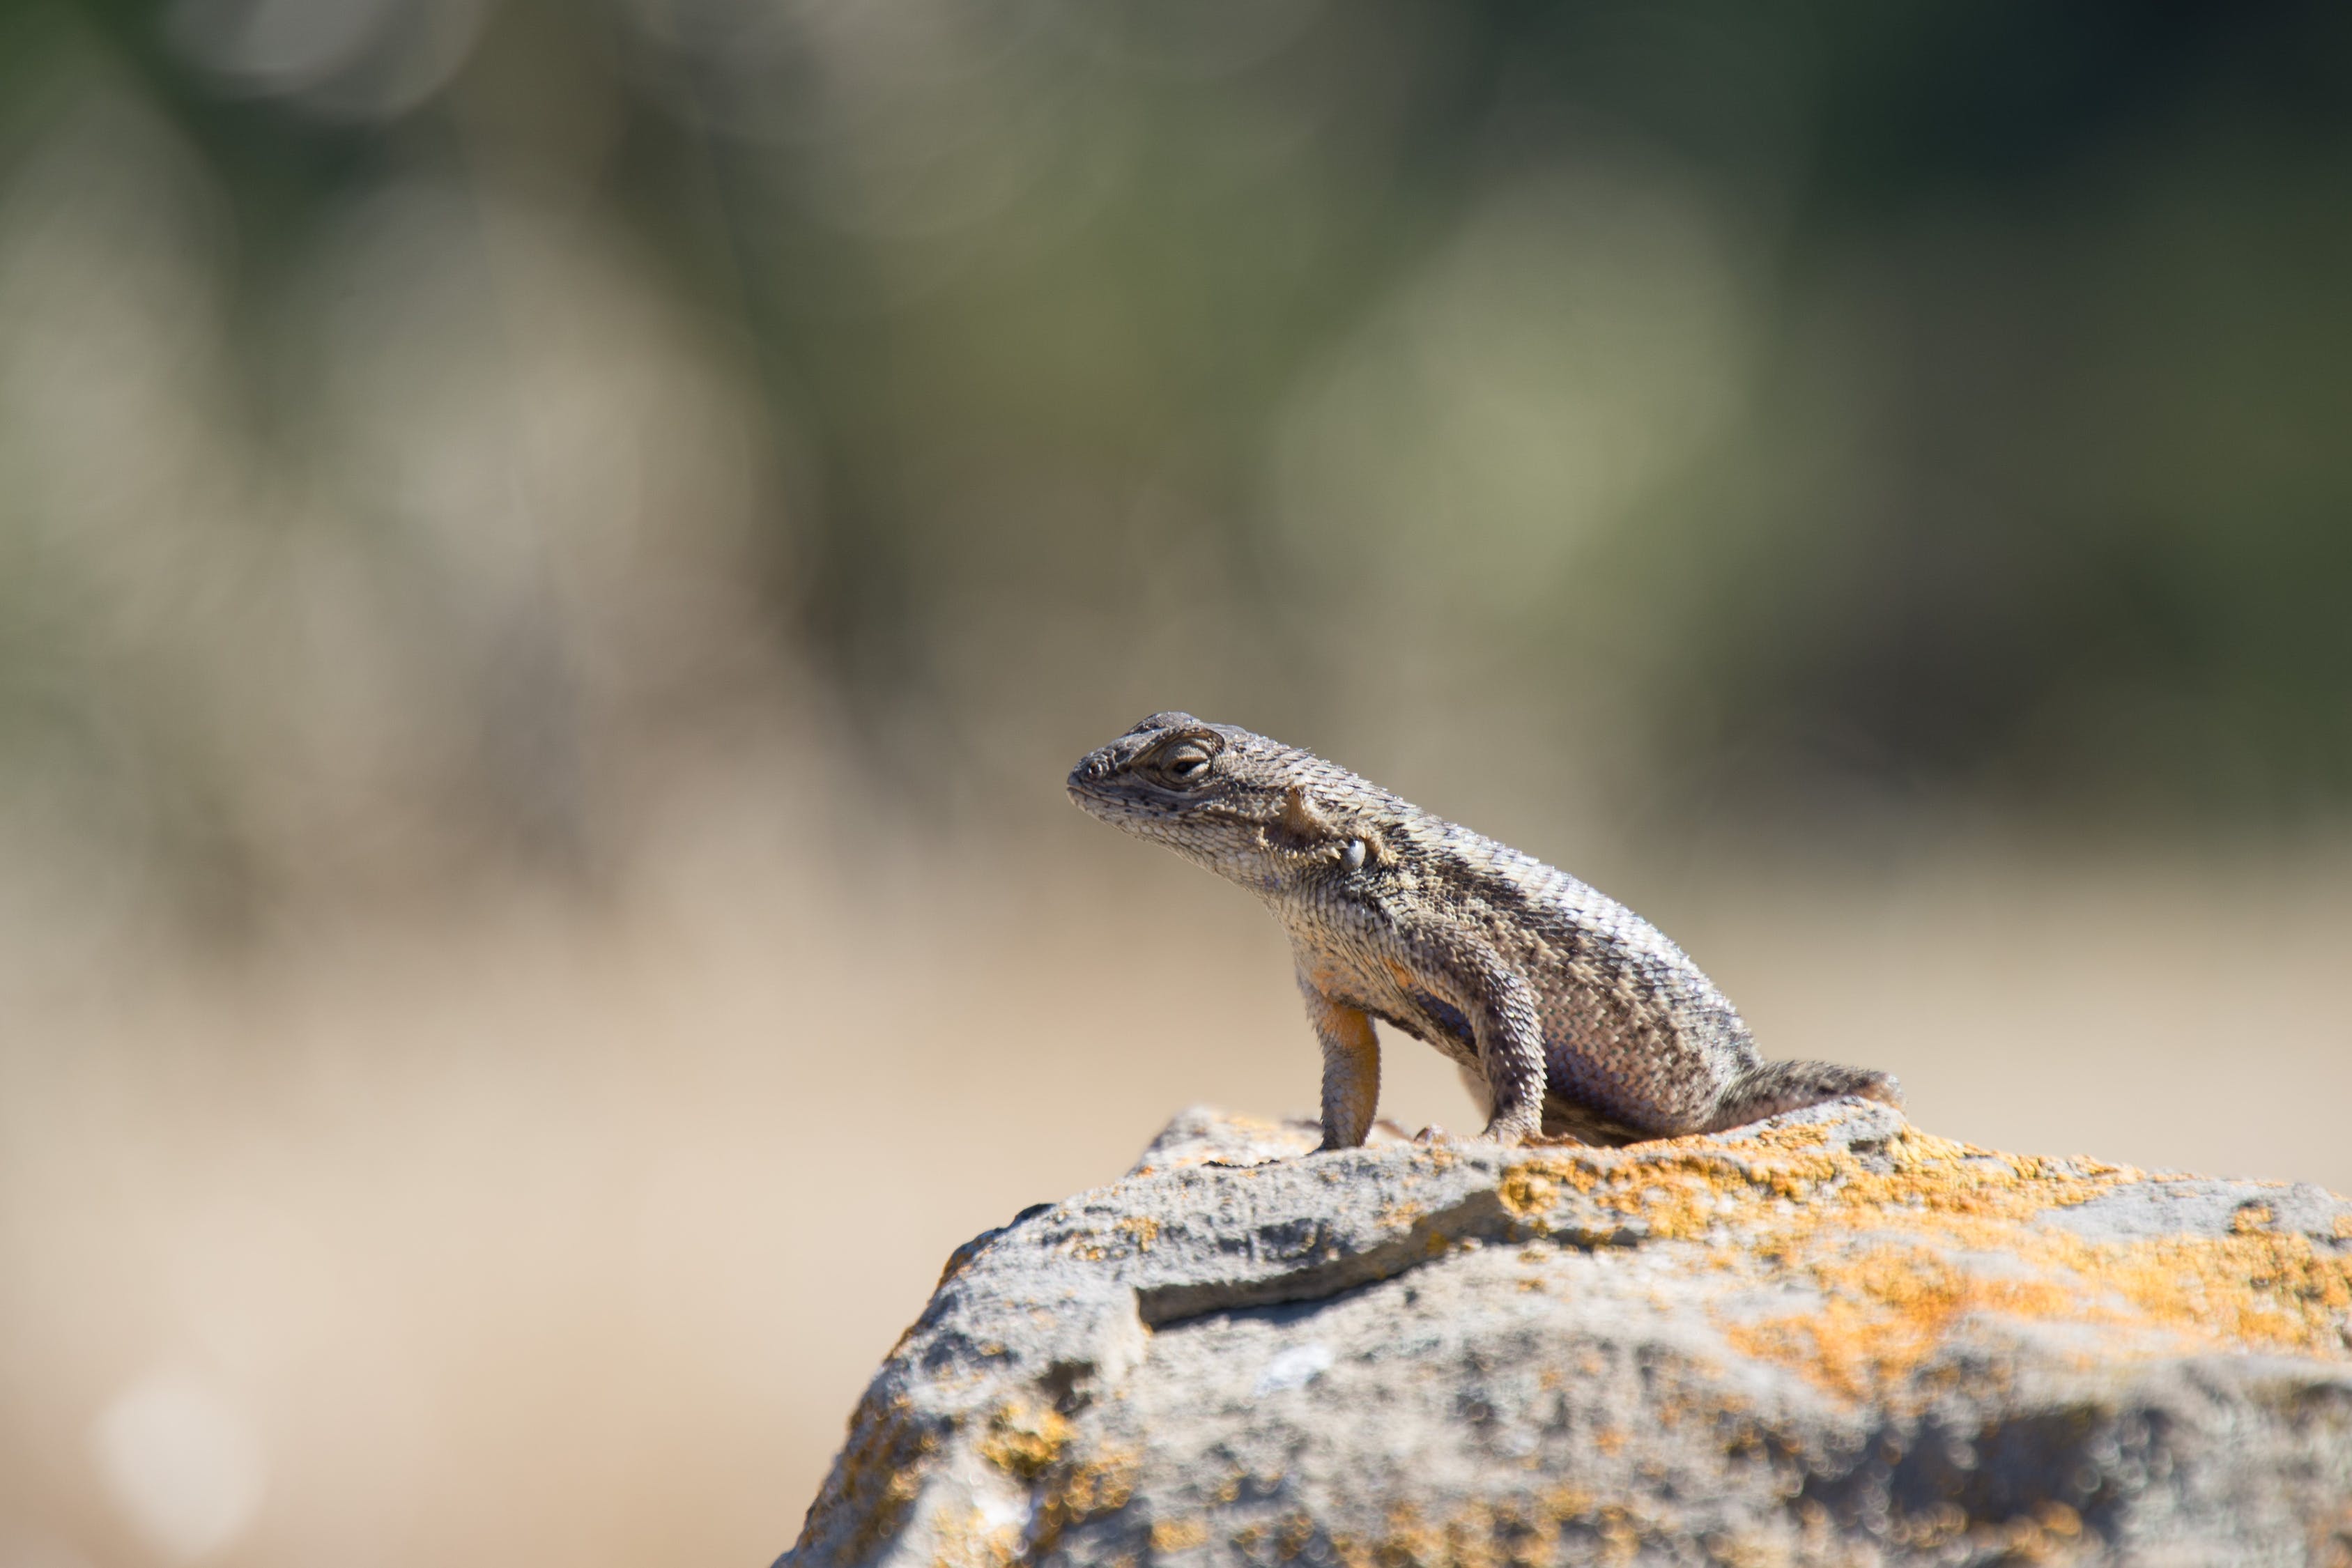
[{"x": 1831, "y": 1339}]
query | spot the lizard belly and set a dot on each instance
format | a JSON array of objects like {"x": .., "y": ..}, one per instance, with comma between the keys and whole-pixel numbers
[
  {"x": 1404, "y": 1001},
  {"x": 1376, "y": 983},
  {"x": 1436, "y": 1022}
]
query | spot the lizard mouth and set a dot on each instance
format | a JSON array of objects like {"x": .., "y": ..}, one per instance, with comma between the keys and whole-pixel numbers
[
  {"x": 1087, "y": 792},
  {"x": 1150, "y": 817},
  {"x": 1112, "y": 806}
]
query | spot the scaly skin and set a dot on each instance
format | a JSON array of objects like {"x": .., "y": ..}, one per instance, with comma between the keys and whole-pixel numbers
[{"x": 1569, "y": 1014}]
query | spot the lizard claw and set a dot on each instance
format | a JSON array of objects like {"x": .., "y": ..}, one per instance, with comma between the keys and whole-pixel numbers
[{"x": 1432, "y": 1133}]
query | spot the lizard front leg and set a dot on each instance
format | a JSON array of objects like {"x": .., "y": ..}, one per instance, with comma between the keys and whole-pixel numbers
[
  {"x": 1351, "y": 1066},
  {"x": 1508, "y": 1027}
]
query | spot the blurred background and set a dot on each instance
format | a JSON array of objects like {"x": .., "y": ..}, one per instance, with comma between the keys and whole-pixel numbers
[{"x": 553, "y": 555}]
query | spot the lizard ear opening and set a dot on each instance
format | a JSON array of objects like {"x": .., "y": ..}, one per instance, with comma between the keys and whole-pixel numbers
[{"x": 1300, "y": 819}]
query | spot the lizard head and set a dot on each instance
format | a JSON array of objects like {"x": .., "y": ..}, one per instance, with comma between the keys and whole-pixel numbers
[{"x": 1249, "y": 809}]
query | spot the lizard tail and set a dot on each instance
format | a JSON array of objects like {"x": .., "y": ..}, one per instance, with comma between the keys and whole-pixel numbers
[{"x": 1768, "y": 1088}]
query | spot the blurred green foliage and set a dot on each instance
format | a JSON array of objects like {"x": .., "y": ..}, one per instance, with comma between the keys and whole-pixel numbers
[{"x": 1755, "y": 410}]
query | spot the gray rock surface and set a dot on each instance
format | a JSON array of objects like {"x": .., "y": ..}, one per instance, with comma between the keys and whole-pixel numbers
[{"x": 1828, "y": 1339}]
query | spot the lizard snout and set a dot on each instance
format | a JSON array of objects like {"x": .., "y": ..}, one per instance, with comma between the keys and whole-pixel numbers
[{"x": 1086, "y": 780}]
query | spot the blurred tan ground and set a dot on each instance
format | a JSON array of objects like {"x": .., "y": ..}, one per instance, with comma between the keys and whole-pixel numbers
[{"x": 538, "y": 1235}]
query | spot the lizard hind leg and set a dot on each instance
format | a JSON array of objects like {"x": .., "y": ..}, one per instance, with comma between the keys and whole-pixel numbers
[{"x": 1768, "y": 1088}]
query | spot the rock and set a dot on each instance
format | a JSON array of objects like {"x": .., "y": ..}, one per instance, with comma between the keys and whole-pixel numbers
[{"x": 1827, "y": 1339}]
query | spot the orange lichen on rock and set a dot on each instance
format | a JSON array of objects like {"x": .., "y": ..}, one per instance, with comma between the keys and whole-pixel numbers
[
  {"x": 1527, "y": 1191},
  {"x": 1077, "y": 1489},
  {"x": 971, "y": 1539},
  {"x": 1886, "y": 1312},
  {"x": 1099, "y": 1484},
  {"x": 1178, "y": 1535},
  {"x": 1022, "y": 1439},
  {"x": 1525, "y": 1533},
  {"x": 2259, "y": 1290},
  {"x": 1879, "y": 1239},
  {"x": 874, "y": 1481}
]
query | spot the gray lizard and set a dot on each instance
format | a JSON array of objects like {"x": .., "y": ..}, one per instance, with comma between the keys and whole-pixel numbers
[{"x": 1569, "y": 1014}]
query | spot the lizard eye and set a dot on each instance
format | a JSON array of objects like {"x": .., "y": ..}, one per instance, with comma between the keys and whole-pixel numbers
[{"x": 1187, "y": 764}]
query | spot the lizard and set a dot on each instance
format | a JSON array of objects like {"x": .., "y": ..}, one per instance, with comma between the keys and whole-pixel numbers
[{"x": 1569, "y": 1017}]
